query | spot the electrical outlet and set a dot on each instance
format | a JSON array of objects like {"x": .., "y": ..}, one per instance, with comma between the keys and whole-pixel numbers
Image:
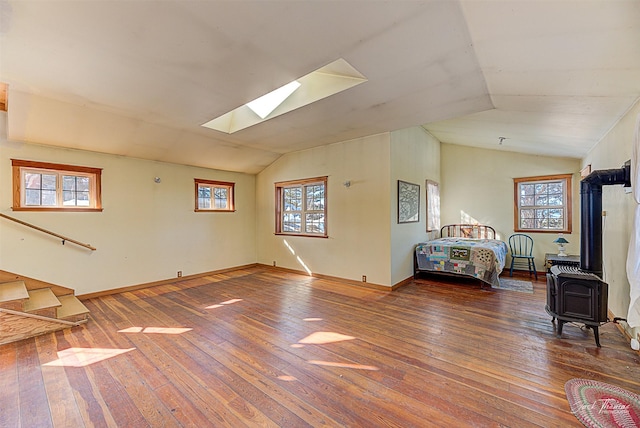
[
  {"x": 179, "y": 274},
  {"x": 364, "y": 278}
]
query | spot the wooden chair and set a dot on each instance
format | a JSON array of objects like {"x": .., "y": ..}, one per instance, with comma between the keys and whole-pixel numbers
[{"x": 521, "y": 247}]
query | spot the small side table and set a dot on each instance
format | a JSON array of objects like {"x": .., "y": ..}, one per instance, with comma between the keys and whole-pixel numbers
[{"x": 551, "y": 259}]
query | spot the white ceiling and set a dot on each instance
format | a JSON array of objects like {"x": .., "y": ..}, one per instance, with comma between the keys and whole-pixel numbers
[{"x": 139, "y": 78}]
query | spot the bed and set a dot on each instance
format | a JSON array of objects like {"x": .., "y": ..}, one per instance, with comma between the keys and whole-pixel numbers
[{"x": 463, "y": 249}]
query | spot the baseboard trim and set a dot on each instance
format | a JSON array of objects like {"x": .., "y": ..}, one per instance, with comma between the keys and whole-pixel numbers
[
  {"x": 369, "y": 285},
  {"x": 620, "y": 326},
  {"x": 402, "y": 283},
  {"x": 161, "y": 282}
]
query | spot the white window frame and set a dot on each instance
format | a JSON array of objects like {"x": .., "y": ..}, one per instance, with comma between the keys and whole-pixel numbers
[
  {"x": 282, "y": 211},
  {"x": 539, "y": 209},
  {"x": 22, "y": 167},
  {"x": 212, "y": 185},
  {"x": 433, "y": 206}
]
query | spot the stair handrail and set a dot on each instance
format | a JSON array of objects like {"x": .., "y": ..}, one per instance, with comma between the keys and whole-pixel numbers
[
  {"x": 43, "y": 318},
  {"x": 64, "y": 238}
]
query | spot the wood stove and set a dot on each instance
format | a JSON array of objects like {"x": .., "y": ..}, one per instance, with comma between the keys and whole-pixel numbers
[{"x": 579, "y": 294}]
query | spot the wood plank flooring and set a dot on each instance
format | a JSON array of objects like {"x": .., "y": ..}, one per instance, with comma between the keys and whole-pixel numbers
[{"x": 264, "y": 347}]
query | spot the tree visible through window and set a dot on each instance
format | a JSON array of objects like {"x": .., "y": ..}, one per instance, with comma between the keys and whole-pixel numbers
[
  {"x": 543, "y": 204},
  {"x": 301, "y": 207},
  {"x": 214, "y": 195},
  {"x": 42, "y": 186}
]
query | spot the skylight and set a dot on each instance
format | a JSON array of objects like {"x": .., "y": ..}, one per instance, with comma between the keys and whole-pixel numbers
[
  {"x": 264, "y": 105},
  {"x": 331, "y": 79}
]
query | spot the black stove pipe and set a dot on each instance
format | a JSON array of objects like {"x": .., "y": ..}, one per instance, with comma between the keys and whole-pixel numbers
[{"x": 591, "y": 214}]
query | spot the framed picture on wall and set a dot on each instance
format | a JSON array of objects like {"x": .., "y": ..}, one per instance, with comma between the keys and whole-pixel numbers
[{"x": 408, "y": 202}]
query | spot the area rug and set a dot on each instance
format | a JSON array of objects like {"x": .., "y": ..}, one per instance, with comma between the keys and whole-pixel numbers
[
  {"x": 514, "y": 285},
  {"x": 598, "y": 404}
]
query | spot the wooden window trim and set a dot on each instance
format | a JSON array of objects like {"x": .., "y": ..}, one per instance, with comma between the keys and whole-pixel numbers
[
  {"x": 4, "y": 97},
  {"x": 278, "y": 203},
  {"x": 18, "y": 164},
  {"x": 569, "y": 202},
  {"x": 232, "y": 195}
]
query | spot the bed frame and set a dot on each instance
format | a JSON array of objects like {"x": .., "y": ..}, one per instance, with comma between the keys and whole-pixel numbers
[
  {"x": 463, "y": 230},
  {"x": 476, "y": 231}
]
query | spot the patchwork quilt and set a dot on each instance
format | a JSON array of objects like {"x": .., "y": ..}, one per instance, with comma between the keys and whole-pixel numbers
[{"x": 483, "y": 259}]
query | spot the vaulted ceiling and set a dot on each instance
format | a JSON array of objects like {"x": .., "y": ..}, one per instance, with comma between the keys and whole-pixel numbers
[{"x": 139, "y": 78}]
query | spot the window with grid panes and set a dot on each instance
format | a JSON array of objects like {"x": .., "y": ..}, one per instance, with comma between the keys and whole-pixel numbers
[
  {"x": 214, "y": 195},
  {"x": 301, "y": 207},
  {"x": 543, "y": 204},
  {"x": 43, "y": 186}
]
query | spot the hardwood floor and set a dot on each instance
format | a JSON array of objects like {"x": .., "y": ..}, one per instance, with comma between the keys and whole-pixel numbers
[{"x": 263, "y": 347}]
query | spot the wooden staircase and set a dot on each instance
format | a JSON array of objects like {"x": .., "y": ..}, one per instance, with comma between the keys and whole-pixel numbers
[{"x": 30, "y": 308}]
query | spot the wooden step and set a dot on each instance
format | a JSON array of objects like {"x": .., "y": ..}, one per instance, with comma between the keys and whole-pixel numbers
[
  {"x": 34, "y": 284},
  {"x": 13, "y": 294},
  {"x": 42, "y": 302},
  {"x": 14, "y": 327},
  {"x": 71, "y": 308},
  {"x": 30, "y": 308}
]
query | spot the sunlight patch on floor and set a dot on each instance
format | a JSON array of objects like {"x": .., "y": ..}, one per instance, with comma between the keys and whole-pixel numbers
[
  {"x": 287, "y": 378},
  {"x": 82, "y": 357},
  {"x": 156, "y": 330},
  {"x": 221, "y": 304},
  {"x": 324, "y": 337},
  {"x": 343, "y": 365}
]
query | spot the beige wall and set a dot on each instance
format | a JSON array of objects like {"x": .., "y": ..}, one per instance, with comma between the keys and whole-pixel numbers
[
  {"x": 415, "y": 158},
  {"x": 358, "y": 216},
  {"x": 477, "y": 185},
  {"x": 364, "y": 236},
  {"x": 147, "y": 231},
  {"x": 44, "y": 120},
  {"x": 610, "y": 153}
]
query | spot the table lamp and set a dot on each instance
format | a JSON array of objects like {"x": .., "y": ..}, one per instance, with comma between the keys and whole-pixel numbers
[{"x": 561, "y": 241}]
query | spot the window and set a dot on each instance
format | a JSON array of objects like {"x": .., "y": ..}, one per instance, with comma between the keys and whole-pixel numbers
[
  {"x": 433, "y": 206},
  {"x": 214, "y": 195},
  {"x": 301, "y": 207},
  {"x": 3, "y": 96},
  {"x": 41, "y": 186},
  {"x": 543, "y": 204}
]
